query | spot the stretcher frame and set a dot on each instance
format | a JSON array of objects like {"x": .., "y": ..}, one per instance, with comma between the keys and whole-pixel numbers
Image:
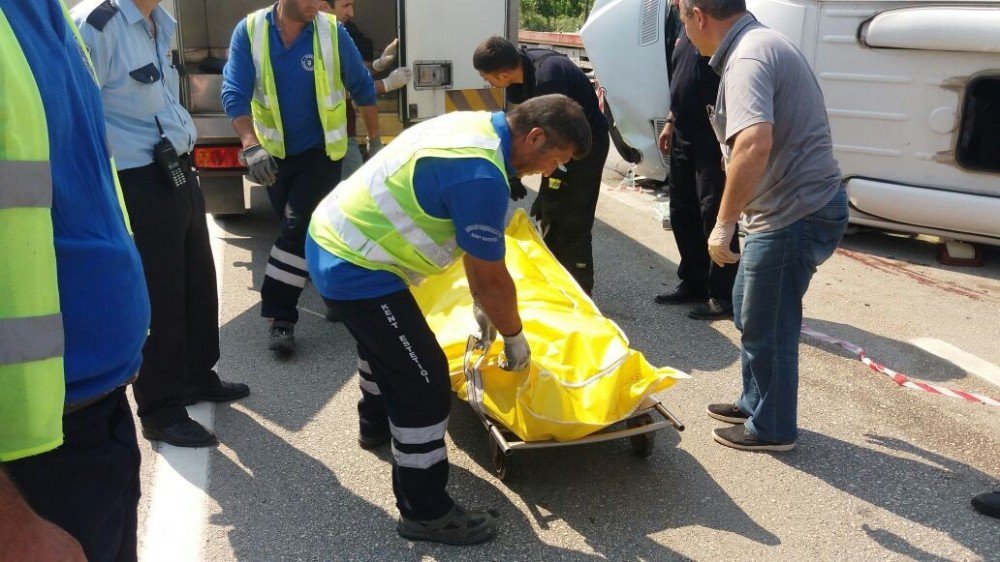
[{"x": 639, "y": 426}]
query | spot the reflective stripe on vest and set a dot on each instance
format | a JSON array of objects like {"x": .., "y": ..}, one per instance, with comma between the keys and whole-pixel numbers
[
  {"x": 32, "y": 379},
  {"x": 330, "y": 93},
  {"x": 372, "y": 219}
]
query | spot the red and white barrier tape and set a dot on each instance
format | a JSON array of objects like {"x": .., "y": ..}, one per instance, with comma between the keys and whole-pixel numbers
[{"x": 900, "y": 378}]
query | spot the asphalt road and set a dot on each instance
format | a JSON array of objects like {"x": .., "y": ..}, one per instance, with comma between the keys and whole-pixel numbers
[{"x": 880, "y": 472}]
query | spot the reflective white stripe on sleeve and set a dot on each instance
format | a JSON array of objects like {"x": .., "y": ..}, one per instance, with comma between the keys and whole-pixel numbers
[
  {"x": 419, "y": 460},
  {"x": 285, "y": 277},
  {"x": 418, "y": 435},
  {"x": 288, "y": 258}
]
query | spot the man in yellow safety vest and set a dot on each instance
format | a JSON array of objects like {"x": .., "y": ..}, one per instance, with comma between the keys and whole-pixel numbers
[{"x": 437, "y": 193}]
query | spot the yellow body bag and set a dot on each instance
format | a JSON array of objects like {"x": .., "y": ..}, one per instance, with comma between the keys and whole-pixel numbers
[{"x": 583, "y": 375}]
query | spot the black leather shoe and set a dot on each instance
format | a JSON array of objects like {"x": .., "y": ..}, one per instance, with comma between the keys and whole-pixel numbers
[
  {"x": 988, "y": 503},
  {"x": 282, "y": 338},
  {"x": 187, "y": 433},
  {"x": 224, "y": 392},
  {"x": 714, "y": 309},
  {"x": 680, "y": 295}
]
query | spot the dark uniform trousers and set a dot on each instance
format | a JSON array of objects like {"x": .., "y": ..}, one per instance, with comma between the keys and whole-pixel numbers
[
  {"x": 696, "y": 184},
  {"x": 566, "y": 214},
  {"x": 171, "y": 234},
  {"x": 405, "y": 389},
  {"x": 303, "y": 181},
  {"x": 89, "y": 485}
]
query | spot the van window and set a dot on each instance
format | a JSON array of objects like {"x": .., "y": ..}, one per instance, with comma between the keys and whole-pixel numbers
[{"x": 979, "y": 137}]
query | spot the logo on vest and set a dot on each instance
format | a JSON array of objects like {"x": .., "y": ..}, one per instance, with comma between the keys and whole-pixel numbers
[{"x": 307, "y": 63}]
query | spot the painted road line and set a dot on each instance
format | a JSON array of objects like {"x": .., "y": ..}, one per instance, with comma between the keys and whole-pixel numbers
[
  {"x": 178, "y": 510},
  {"x": 961, "y": 358}
]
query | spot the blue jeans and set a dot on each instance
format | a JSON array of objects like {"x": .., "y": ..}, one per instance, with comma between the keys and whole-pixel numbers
[{"x": 773, "y": 276}]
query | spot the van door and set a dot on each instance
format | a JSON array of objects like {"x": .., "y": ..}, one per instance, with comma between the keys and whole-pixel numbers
[{"x": 437, "y": 39}]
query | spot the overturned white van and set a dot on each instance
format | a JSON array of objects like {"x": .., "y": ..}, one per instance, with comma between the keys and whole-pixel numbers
[{"x": 912, "y": 90}]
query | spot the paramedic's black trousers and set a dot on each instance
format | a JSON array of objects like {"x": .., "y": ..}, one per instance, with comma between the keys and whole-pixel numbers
[
  {"x": 566, "y": 214},
  {"x": 303, "y": 181},
  {"x": 171, "y": 234},
  {"x": 405, "y": 389}
]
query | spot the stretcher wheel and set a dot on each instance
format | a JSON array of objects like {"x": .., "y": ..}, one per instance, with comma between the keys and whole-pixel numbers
[
  {"x": 642, "y": 444},
  {"x": 501, "y": 463}
]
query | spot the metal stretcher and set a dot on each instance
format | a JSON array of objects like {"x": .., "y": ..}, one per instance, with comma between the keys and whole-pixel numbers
[{"x": 639, "y": 426}]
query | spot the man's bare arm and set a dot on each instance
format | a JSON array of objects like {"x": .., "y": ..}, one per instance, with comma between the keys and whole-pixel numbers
[
  {"x": 493, "y": 288},
  {"x": 26, "y": 537},
  {"x": 243, "y": 125},
  {"x": 747, "y": 163}
]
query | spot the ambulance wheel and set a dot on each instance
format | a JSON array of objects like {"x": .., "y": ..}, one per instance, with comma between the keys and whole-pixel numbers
[
  {"x": 501, "y": 463},
  {"x": 642, "y": 444}
]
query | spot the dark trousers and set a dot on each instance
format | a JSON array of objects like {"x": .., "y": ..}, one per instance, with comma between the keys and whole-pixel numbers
[
  {"x": 696, "y": 185},
  {"x": 565, "y": 211},
  {"x": 171, "y": 234},
  {"x": 405, "y": 389},
  {"x": 89, "y": 486},
  {"x": 303, "y": 181}
]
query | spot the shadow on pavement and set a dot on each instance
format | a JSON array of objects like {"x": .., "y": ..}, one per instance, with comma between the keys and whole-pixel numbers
[
  {"x": 906, "y": 480},
  {"x": 580, "y": 486},
  {"x": 279, "y": 503}
]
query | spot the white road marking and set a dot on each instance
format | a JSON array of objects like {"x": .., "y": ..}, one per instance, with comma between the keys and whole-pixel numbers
[
  {"x": 961, "y": 358},
  {"x": 177, "y": 507}
]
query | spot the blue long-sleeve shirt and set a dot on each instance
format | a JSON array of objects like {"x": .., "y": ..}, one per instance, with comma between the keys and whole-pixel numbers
[
  {"x": 293, "y": 77},
  {"x": 138, "y": 80},
  {"x": 102, "y": 290}
]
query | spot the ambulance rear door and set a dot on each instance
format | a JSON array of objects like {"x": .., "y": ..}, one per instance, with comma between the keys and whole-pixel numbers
[{"x": 437, "y": 40}]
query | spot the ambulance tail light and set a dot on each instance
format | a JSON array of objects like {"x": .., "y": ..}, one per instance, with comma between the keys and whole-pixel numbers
[{"x": 217, "y": 158}]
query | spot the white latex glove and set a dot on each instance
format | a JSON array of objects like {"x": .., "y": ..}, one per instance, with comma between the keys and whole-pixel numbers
[
  {"x": 374, "y": 145},
  {"x": 517, "y": 355},
  {"x": 261, "y": 167},
  {"x": 487, "y": 331},
  {"x": 388, "y": 57},
  {"x": 718, "y": 244},
  {"x": 397, "y": 79}
]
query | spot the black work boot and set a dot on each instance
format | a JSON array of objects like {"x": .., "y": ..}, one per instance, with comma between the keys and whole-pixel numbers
[{"x": 457, "y": 527}]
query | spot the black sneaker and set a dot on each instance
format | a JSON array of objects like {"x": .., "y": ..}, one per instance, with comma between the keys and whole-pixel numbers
[
  {"x": 223, "y": 392},
  {"x": 714, "y": 309},
  {"x": 282, "y": 337},
  {"x": 373, "y": 441},
  {"x": 680, "y": 295},
  {"x": 187, "y": 433},
  {"x": 739, "y": 437},
  {"x": 457, "y": 527},
  {"x": 728, "y": 413},
  {"x": 988, "y": 503}
]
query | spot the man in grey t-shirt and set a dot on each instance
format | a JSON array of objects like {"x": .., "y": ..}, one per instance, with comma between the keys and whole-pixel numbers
[{"x": 783, "y": 182}]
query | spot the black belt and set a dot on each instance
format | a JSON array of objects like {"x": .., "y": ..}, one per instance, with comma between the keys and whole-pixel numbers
[{"x": 71, "y": 407}]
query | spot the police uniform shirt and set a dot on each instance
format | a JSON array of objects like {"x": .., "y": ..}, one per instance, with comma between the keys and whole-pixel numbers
[{"x": 138, "y": 80}]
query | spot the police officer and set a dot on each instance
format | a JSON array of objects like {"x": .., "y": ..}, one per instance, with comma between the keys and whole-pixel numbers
[
  {"x": 73, "y": 305},
  {"x": 444, "y": 183},
  {"x": 151, "y": 136},
  {"x": 285, "y": 88},
  {"x": 567, "y": 200}
]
